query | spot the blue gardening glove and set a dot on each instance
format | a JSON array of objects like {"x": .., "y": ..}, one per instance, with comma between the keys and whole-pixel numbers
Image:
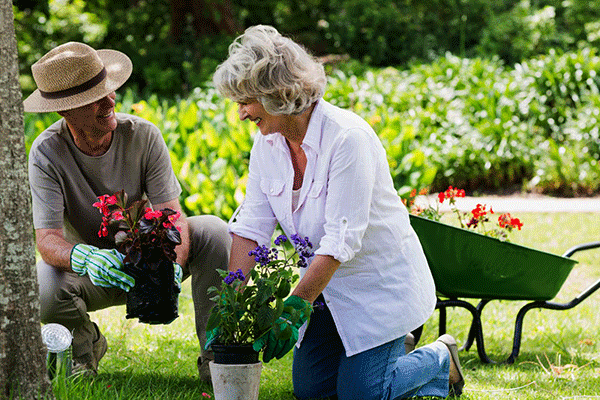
[
  {"x": 211, "y": 337},
  {"x": 103, "y": 266},
  {"x": 178, "y": 274},
  {"x": 277, "y": 348}
]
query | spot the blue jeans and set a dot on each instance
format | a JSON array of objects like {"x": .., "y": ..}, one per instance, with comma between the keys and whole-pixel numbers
[{"x": 321, "y": 369}]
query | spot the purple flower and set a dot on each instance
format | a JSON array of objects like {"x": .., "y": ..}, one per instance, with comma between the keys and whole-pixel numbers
[
  {"x": 472, "y": 223},
  {"x": 263, "y": 255},
  {"x": 319, "y": 305},
  {"x": 240, "y": 275},
  {"x": 303, "y": 248},
  {"x": 280, "y": 239},
  {"x": 299, "y": 242},
  {"x": 232, "y": 276}
]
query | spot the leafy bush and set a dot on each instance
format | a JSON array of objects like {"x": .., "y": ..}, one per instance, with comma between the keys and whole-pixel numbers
[
  {"x": 529, "y": 29},
  {"x": 160, "y": 66},
  {"x": 48, "y": 24},
  {"x": 479, "y": 125},
  {"x": 562, "y": 82},
  {"x": 471, "y": 123},
  {"x": 378, "y": 32}
]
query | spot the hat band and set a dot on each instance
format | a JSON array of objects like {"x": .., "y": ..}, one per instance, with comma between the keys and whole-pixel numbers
[{"x": 76, "y": 89}]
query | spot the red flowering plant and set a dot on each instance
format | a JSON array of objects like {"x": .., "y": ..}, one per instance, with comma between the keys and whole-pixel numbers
[
  {"x": 478, "y": 219},
  {"x": 148, "y": 239}
]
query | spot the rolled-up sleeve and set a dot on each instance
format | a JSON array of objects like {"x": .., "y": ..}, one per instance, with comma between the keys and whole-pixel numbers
[{"x": 351, "y": 180}]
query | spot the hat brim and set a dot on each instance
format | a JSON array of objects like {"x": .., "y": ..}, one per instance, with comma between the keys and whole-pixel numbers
[{"x": 118, "y": 70}]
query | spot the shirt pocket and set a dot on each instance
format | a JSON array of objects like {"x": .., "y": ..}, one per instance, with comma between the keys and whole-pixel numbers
[
  {"x": 272, "y": 187},
  {"x": 316, "y": 189},
  {"x": 315, "y": 202}
]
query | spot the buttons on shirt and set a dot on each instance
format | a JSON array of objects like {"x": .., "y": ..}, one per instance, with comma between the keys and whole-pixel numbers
[{"x": 272, "y": 187}]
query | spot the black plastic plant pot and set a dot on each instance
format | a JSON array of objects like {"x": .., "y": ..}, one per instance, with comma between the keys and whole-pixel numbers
[
  {"x": 234, "y": 354},
  {"x": 155, "y": 298}
]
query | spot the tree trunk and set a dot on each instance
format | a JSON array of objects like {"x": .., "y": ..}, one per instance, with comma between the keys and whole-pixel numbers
[{"x": 22, "y": 354}]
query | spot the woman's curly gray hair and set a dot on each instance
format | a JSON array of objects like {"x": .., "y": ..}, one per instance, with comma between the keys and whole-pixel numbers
[{"x": 273, "y": 69}]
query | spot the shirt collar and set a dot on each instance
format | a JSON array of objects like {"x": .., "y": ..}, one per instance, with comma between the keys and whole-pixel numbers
[{"x": 313, "y": 132}]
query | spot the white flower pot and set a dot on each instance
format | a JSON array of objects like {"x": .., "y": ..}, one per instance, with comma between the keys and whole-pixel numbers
[{"x": 235, "y": 381}]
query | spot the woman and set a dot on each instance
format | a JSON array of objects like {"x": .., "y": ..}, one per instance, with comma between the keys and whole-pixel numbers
[{"x": 321, "y": 172}]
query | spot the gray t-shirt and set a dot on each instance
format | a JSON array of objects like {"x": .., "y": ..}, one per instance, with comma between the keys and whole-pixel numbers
[{"x": 66, "y": 182}]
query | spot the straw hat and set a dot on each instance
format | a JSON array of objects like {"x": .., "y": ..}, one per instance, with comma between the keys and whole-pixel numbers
[{"x": 74, "y": 75}]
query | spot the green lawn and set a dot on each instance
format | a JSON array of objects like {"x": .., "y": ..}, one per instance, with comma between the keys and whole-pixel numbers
[{"x": 559, "y": 358}]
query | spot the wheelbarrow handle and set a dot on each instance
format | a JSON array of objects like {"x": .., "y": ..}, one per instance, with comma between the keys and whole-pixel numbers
[
  {"x": 476, "y": 331},
  {"x": 580, "y": 247}
]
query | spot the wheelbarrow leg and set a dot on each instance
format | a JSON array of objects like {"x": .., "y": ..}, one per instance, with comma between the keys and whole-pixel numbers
[
  {"x": 442, "y": 324},
  {"x": 519, "y": 329},
  {"x": 473, "y": 330},
  {"x": 552, "y": 306},
  {"x": 547, "y": 305},
  {"x": 476, "y": 327}
]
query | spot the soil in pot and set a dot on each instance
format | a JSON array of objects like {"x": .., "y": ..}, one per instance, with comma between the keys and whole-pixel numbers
[{"x": 234, "y": 354}]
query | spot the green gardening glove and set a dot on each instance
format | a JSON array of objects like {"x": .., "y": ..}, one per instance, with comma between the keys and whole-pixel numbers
[
  {"x": 178, "y": 274},
  {"x": 103, "y": 266},
  {"x": 275, "y": 342},
  {"x": 211, "y": 336}
]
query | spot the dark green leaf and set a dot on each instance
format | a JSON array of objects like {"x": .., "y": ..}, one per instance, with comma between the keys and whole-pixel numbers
[
  {"x": 174, "y": 236},
  {"x": 265, "y": 317},
  {"x": 213, "y": 321},
  {"x": 284, "y": 289},
  {"x": 286, "y": 333}
]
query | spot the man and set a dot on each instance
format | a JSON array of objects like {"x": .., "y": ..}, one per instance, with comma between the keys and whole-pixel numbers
[{"x": 93, "y": 151}]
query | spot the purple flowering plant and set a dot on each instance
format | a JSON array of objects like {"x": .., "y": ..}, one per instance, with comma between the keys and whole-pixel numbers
[{"x": 246, "y": 308}]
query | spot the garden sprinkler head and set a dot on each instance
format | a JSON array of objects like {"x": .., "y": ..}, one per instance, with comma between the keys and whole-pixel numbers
[{"x": 58, "y": 340}]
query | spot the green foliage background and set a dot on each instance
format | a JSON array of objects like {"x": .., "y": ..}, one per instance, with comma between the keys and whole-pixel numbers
[
  {"x": 486, "y": 96},
  {"x": 376, "y": 32},
  {"x": 468, "y": 122}
]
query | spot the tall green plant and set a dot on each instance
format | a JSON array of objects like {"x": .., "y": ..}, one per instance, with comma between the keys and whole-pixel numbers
[{"x": 472, "y": 123}]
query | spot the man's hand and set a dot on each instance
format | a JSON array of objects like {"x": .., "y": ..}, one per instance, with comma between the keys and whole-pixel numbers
[
  {"x": 178, "y": 274},
  {"x": 103, "y": 266},
  {"x": 276, "y": 343}
]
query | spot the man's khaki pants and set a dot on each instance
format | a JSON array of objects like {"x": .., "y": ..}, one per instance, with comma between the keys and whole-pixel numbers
[{"x": 67, "y": 298}]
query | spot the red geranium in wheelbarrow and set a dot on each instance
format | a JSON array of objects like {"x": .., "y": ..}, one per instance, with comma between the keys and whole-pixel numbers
[{"x": 475, "y": 261}]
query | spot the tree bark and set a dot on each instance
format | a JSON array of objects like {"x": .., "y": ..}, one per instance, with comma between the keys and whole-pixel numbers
[{"x": 22, "y": 354}]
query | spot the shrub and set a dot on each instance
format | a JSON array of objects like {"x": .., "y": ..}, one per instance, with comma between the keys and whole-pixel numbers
[{"x": 471, "y": 123}]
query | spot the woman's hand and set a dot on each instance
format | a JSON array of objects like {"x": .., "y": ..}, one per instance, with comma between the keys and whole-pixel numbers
[{"x": 276, "y": 343}]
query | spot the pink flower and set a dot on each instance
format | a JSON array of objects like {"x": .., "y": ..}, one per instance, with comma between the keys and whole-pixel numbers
[
  {"x": 150, "y": 214},
  {"x": 118, "y": 215},
  {"x": 451, "y": 194},
  {"x": 103, "y": 232},
  {"x": 103, "y": 203},
  {"x": 507, "y": 221}
]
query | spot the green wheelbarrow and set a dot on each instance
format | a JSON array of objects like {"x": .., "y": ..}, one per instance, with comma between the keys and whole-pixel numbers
[{"x": 466, "y": 264}]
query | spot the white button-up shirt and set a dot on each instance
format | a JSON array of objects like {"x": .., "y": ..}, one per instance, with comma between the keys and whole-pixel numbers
[{"x": 349, "y": 210}]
